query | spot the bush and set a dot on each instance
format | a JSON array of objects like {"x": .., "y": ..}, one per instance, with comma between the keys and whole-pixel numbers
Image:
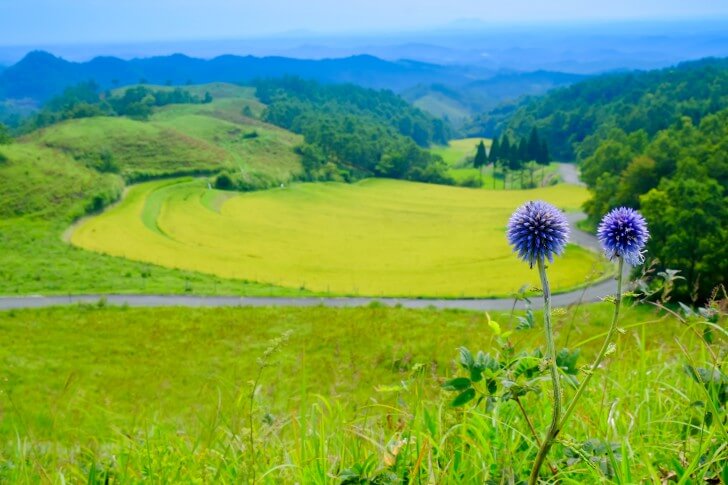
[
  {"x": 244, "y": 182},
  {"x": 223, "y": 182},
  {"x": 470, "y": 181}
]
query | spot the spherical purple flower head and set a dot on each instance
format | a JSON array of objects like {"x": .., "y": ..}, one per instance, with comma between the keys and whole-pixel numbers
[
  {"x": 623, "y": 232},
  {"x": 538, "y": 230}
]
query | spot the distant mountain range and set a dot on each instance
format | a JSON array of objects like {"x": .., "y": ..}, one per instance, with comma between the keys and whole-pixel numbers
[
  {"x": 452, "y": 91},
  {"x": 40, "y": 75}
]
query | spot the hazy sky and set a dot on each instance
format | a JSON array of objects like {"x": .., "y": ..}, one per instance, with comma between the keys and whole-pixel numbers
[{"x": 72, "y": 21}]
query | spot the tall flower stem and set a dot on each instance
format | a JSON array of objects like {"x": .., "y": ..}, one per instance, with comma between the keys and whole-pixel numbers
[
  {"x": 554, "y": 430},
  {"x": 551, "y": 354},
  {"x": 603, "y": 351}
]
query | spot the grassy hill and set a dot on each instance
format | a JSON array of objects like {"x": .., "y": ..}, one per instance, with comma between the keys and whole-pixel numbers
[
  {"x": 180, "y": 139},
  {"x": 55, "y": 175},
  {"x": 139, "y": 148},
  {"x": 43, "y": 183}
]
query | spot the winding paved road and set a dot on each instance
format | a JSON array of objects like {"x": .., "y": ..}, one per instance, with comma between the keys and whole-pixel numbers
[{"x": 586, "y": 294}]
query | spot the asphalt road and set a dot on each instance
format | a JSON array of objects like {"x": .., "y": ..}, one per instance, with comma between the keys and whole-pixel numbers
[{"x": 587, "y": 294}]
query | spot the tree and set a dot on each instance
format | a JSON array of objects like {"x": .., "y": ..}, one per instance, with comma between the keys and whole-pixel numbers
[
  {"x": 687, "y": 224},
  {"x": 505, "y": 150},
  {"x": 493, "y": 155},
  {"x": 522, "y": 157},
  {"x": 543, "y": 158},
  {"x": 480, "y": 159},
  {"x": 5, "y": 137},
  {"x": 534, "y": 145}
]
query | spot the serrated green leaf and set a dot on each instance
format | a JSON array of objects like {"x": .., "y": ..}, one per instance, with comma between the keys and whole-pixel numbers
[{"x": 466, "y": 358}]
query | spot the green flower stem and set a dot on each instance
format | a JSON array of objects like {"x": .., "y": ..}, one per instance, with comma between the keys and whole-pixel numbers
[
  {"x": 555, "y": 429},
  {"x": 551, "y": 354},
  {"x": 602, "y": 352}
]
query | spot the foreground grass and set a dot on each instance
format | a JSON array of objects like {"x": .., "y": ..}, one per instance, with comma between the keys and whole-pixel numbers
[
  {"x": 94, "y": 394},
  {"x": 376, "y": 237}
]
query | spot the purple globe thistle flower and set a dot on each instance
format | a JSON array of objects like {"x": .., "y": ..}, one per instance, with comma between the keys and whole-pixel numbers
[
  {"x": 538, "y": 230},
  {"x": 623, "y": 233}
]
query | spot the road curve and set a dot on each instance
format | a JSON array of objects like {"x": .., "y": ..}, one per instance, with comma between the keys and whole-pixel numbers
[{"x": 586, "y": 294}]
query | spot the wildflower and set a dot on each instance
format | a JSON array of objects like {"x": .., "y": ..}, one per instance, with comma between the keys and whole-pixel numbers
[
  {"x": 623, "y": 233},
  {"x": 538, "y": 230}
]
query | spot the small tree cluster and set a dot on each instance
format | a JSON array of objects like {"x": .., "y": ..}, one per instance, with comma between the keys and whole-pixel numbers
[{"x": 525, "y": 153}]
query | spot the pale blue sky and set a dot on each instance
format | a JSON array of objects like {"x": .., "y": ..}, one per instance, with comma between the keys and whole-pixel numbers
[{"x": 80, "y": 21}]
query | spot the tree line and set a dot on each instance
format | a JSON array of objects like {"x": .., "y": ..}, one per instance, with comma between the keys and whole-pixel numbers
[
  {"x": 520, "y": 155},
  {"x": 575, "y": 119},
  {"x": 654, "y": 141},
  {"x": 679, "y": 180}
]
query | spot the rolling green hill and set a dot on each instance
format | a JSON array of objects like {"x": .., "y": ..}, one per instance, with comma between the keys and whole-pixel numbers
[
  {"x": 55, "y": 175},
  {"x": 180, "y": 139},
  {"x": 41, "y": 182}
]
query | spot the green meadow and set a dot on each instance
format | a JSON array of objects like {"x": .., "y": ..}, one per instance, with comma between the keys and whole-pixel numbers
[
  {"x": 375, "y": 237},
  {"x": 121, "y": 395}
]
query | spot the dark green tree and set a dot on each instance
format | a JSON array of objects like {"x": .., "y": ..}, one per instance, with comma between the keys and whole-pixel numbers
[
  {"x": 493, "y": 155},
  {"x": 543, "y": 158},
  {"x": 687, "y": 219},
  {"x": 5, "y": 137},
  {"x": 505, "y": 158},
  {"x": 481, "y": 159},
  {"x": 534, "y": 145}
]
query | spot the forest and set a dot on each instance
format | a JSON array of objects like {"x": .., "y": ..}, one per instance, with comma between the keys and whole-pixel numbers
[{"x": 352, "y": 132}]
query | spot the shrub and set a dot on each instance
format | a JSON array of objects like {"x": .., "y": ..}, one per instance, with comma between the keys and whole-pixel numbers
[
  {"x": 223, "y": 182},
  {"x": 470, "y": 181}
]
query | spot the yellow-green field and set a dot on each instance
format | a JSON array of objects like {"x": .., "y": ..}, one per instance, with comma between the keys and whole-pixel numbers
[{"x": 376, "y": 237}]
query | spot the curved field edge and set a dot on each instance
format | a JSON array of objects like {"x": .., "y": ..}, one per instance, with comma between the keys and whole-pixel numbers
[{"x": 179, "y": 224}]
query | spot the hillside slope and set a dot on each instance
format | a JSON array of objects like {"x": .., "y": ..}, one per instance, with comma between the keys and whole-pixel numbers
[
  {"x": 639, "y": 100},
  {"x": 180, "y": 139},
  {"x": 458, "y": 103},
  {"x": 51, "y": 177}
]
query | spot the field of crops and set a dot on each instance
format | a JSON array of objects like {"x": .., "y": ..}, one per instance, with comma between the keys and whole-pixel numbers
[{"x": 375, "y": 237}]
